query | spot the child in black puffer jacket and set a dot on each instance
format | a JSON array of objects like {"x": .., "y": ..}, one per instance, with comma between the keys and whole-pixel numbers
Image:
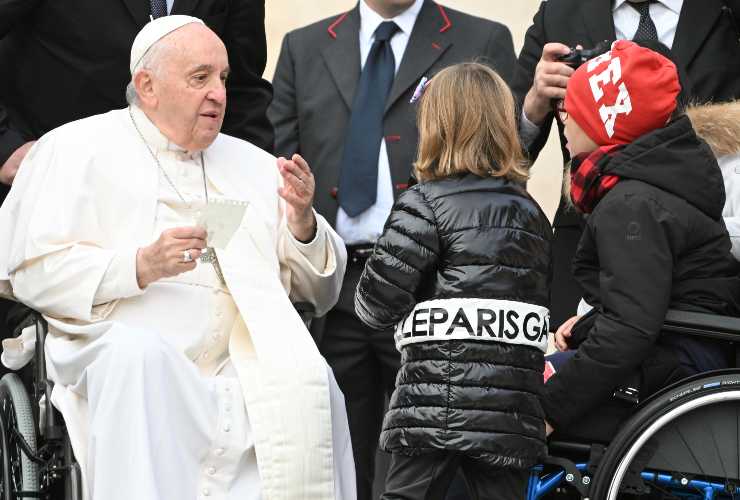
[{"x": 463, "y": 270}]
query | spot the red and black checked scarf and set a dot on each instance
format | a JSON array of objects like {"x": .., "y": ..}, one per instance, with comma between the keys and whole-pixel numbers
[{"x": 588, "y": 183}]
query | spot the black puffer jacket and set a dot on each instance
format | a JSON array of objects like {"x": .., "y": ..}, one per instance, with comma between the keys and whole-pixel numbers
[
  {"x": 655, "y": 241},
  {"x": 465, "y": 262}
]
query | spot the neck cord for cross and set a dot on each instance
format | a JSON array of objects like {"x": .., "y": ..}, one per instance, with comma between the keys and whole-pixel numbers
[
  {"x": 161, "y": 169},
  {"x": 209, "y": 255}
]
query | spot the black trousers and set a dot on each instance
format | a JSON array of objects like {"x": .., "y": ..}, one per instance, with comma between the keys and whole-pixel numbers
[
  {"x": 601, "y": 423},
  {"x": 428, "y": 477},
  {"x": 365, "y": 363}
]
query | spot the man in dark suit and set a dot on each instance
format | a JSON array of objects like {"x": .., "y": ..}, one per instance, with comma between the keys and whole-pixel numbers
[
  {"x": 62, "y": 61},
  {"x": 342, "y": 90},
  {"x": 704, "y": 40}
]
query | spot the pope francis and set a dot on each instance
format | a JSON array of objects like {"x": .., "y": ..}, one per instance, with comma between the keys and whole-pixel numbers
[{"x": 180, "y": 365}]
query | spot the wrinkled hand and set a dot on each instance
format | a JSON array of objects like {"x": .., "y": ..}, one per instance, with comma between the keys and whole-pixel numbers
[
  {"x": 550, "y": 80},
  {"x": 13, "y": 163},
  {"x": 298, "y": 192},
  {"x": 164, "y": 258},
  {"x": 564, "y": 333}
]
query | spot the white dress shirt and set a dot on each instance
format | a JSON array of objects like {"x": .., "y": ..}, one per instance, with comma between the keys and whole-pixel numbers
[
  {"x": 664, "y": 13},
  {"x": 367, "y": 226}
]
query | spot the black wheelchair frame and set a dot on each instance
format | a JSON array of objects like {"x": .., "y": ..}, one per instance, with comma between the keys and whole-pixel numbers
[{"x": 37, "y": 460}]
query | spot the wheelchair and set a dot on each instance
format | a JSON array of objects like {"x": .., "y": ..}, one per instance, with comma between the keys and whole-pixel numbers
[
  {"x": 681, "y": 443},
  {"x": 36, "y": 455},
  {"x": 35, "y": 452}
]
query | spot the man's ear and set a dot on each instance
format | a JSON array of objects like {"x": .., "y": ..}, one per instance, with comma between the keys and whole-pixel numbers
[{"x": 144, "y": 84}]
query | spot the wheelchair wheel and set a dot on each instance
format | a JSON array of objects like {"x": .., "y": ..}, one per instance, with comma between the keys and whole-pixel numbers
[
  {"x": 20, "y": 475},
  {"x": 684, "y": 443}
]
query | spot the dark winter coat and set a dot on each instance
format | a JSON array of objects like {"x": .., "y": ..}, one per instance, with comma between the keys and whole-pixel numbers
[
  {"x": 655, "y": 241},
  {"x": 465, "y": 263}
]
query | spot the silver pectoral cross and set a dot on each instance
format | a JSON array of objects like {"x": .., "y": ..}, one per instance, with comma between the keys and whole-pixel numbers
[{"x": 209, "y": 257}]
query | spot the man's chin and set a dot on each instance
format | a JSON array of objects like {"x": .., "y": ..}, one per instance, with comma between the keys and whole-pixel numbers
[{"x": 206, "y": 139}]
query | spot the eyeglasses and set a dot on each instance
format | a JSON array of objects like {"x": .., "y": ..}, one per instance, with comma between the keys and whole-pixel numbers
[{"x": 560, "y": 111}]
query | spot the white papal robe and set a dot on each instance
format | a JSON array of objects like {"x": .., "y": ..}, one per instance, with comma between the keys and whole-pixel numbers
[{"x": 191, "y": 388}]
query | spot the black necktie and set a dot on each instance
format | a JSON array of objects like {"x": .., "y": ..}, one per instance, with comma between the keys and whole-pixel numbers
[
  {"x": 358, "y": 174},
  {"x": 159, "y": 8},
  {"x": 646, "y": 29}
]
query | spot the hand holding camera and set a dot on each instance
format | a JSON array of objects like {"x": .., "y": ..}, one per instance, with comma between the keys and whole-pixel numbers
[
  {"x": 578, "y": 55},
  {"x": 551, "y": 76}
]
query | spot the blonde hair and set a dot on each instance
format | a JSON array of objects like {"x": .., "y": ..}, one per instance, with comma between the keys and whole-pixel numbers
[{"x": 467, "y": 123}]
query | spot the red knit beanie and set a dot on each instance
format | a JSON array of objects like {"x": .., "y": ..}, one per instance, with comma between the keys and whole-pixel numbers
[{"x": 622, "y": 94}]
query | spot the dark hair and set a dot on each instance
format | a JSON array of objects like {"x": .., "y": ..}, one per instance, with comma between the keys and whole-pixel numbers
[{"x": 683, "y": 99}]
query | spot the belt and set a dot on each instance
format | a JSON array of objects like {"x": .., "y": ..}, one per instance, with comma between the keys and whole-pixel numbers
[{"x": 358, "y": 254}]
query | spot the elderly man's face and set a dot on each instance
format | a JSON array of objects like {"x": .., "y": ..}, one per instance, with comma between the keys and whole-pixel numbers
[{"x": 189, "y": 91}]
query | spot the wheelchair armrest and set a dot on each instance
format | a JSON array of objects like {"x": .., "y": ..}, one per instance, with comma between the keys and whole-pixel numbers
[
  {"x": 711, "y": 326},
  {"x": 20, "y": 317}
]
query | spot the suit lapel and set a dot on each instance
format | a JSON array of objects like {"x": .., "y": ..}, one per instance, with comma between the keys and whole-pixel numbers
[
  {"x": 140, "y": 10},
  {"x": 694, "y": 24},
  {"x": 598, "y": 19},
  {"x": 342, "y": 54},
  {"x": 426, "y": 44},
  {"x": 184, "y": 6}
]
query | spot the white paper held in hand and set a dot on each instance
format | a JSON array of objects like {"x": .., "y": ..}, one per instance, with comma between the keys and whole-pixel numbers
[{"x": 221, "y": 218}]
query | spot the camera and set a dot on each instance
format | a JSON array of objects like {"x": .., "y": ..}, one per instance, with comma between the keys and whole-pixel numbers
[{"x": 576, "y": 57}]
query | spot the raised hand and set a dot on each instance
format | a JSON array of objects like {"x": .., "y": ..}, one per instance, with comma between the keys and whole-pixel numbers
[{"x": 298, "y": 192}]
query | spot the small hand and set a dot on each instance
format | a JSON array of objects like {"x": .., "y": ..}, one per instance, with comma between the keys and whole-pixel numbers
[
  {"x": 548, "y": 428},
  {"x": 550, "y": 81},
  {"x": 10, "y": 168},
  {"x": 166, "y": 256},
  {"x": 298, "y": 193},
  {"x": 564, "y": 333}
]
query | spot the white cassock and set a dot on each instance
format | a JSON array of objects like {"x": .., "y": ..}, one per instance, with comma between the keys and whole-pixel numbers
[{"x": 191, "y": 388}]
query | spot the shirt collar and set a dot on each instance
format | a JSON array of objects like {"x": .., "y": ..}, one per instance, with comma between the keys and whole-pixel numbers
[
  {"x": 370, "y": 20},
  {"x": 154, "y": 138},
  {"x": 674, "y": 5}
]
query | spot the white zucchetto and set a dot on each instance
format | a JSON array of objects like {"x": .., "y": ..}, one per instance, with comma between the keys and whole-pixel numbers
[{"x": 155, "y": 30}]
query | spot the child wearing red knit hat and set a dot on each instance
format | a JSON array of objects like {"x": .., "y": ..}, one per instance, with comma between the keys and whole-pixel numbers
[
  {"x": 601, "y": 93},
  {"x": 654, "y": 240}
]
